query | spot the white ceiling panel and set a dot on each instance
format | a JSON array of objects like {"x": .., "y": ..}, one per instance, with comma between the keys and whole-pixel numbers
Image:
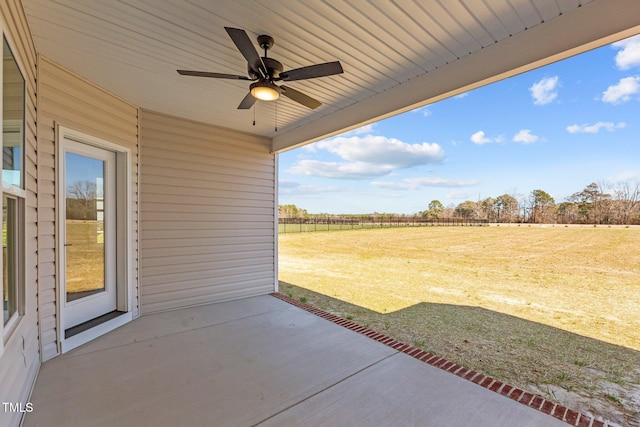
[{"x": 388, "y": 49}]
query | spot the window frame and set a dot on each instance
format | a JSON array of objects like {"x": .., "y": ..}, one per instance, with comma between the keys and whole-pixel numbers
[
  {"x": 18, "y": 260},
  {"x": 20, "y": 196}
]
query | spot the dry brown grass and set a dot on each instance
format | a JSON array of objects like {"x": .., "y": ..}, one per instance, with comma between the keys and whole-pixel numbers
[
  {"x": 85, "y": 256},
  {"x": 554, "y": 310}
]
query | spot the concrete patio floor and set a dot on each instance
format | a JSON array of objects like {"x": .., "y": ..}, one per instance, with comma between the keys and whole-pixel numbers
[{"x": 257, "y": 361}]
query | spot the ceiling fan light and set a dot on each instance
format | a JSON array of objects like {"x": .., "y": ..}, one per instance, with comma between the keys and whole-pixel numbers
[{"x": 265, "y": 91}]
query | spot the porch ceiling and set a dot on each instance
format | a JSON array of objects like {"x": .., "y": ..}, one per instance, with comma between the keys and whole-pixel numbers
[{"x": 396, "y": 55}]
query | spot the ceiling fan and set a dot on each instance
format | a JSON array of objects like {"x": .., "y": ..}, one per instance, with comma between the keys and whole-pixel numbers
[{"x": 266, "y": 71}]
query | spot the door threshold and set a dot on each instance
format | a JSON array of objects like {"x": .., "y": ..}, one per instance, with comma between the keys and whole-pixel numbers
[
  {"x": 75, "y": 330},
  {"x": 88, "y": 331}
]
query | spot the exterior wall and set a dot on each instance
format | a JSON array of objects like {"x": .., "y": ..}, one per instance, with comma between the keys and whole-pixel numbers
[
  {"x": 70, "y": 101},
  {"x": 20, "y": 357},
  {"x": 207, "y": 214},
  {"x": 209, "y": 206}
]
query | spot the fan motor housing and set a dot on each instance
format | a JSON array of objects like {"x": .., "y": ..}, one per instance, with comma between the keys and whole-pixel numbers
[{"x": 274, "y": 68}]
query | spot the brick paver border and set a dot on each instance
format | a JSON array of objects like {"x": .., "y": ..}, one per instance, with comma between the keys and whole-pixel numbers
[{"x": 560, "y": 412}]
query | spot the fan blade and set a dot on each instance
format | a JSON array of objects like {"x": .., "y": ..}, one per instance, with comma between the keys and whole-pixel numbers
[
  {"x": 246, "y": 48},
  {"x": 312, "y": 71},
  {"x": 213, "y": 75},
  {"x": 300, "y": 97},
  {"x": 247, "y": 102}
]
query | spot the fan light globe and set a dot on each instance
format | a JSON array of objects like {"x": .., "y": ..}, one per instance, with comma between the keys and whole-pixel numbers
[{"x": 265, "y": 91}]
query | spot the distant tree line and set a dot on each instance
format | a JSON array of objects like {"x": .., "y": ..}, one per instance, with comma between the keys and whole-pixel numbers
[
  {"x": 595, "y": 204},
  {"x": 294, "y": 212},
  {"x": 291, "y": 211}
]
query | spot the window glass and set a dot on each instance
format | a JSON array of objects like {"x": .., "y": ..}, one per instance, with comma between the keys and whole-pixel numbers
[
  {"x": 9, "y": 258},
  {"x": 12, "y": 120}
]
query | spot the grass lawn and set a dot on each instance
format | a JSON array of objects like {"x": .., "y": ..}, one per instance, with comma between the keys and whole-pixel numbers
[
  {"x": 85, "y": 256},
  {"x": 555, "y": 310}
]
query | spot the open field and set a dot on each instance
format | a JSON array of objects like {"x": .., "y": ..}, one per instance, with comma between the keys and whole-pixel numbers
[
  {"x": 551, "y": 309},
  {"x": 85, "y": 256}
]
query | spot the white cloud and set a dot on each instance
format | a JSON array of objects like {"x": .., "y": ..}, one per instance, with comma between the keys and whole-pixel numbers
[
  {"x": 287, "y": 183},
  {"x": 525, "y": 136},
  {"x": 416, "y": 183},
  {"x": 544, "y": 91},
  {"x": 462, "y": 95},
  {"x": 422, "y": 110},
  {"x": 629, "y": 54},
  {"x": 366, "y": 129},
  {"x": 299, "y": 190},
  {"x": 626, "y": 176},
  {"x": 480, "y": 138},
  {"x": 621, "y": 92},
  {"x": 367, "y": 156},
  {"x": 380, "y": 150},
  {"x": 336, "y": 170},
  {"x": 595, "y": 128}
]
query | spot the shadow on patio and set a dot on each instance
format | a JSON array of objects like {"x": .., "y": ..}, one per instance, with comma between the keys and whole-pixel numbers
[
  {"x": 582, "y": 373},
  {"x": 257, "y": 361}
]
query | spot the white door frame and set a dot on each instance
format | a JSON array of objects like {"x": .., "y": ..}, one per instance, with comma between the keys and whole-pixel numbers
[{"x": 124, "y": 247}]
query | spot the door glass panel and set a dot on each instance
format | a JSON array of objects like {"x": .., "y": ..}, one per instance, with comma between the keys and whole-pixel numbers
[{"x": 85, "y": 226}]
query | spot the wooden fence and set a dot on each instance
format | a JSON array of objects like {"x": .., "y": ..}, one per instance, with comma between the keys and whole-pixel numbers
[{"x": 301, "y": 225}]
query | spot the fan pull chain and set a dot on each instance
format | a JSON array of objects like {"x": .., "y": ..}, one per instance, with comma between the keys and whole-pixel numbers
[
  {"x": 254, "y": 114},
  {"x": 276, "y": 123}
]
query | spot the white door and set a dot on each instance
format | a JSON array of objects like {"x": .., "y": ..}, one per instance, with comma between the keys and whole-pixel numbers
[{"x": 88, "y": 239}]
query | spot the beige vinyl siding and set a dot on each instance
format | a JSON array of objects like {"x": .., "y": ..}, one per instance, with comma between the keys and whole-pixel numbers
[
  {"x": 66, "y": 99},
  {"x": 20, "y": 357},
  {"x": 207, "y": 214}
]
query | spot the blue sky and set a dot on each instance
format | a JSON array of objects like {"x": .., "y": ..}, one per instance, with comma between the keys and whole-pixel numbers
[{"x": 557, "y": 128}]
